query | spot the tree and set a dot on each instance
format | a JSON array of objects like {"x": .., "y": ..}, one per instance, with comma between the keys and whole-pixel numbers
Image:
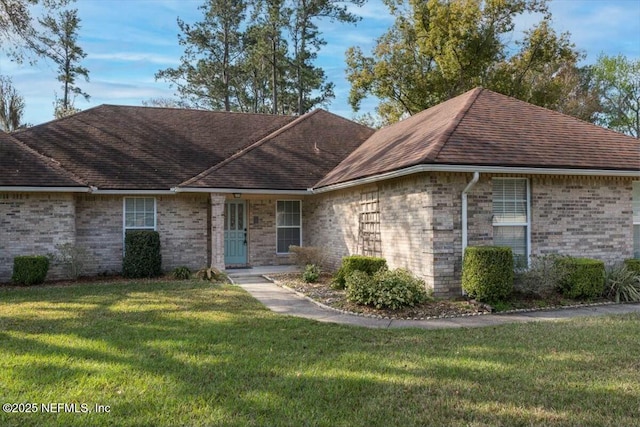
[
  {"x": 618, "y": 81},
  {"x": 162, "y": 102},
  {"x": 438, "y": 49},
  {"x": 17, "y": 32},
  {"x": 255, "y": 56},
  {"x": 306, "y": 42},
  {"x": 61, "y": 46},
  {"x": 11, "y": 106},
  {"x": 207, "y": 77}
]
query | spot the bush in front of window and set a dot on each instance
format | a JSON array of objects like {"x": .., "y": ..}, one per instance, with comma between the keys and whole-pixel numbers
[
  {"x": 487, "y": 273},
  {"x": 30, "y": 269},
  {"x": 368, "y": 264},
  {"x": 308, "y": 255},
  {"x": 392, "y": 289},
  {"x": 541, "y": 278},
  {"x": 142, "y": 256},
  {"x": 585, "y": 277}
]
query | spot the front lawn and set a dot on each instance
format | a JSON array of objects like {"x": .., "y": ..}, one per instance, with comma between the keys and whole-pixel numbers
[{"x": 193, "y": 353}]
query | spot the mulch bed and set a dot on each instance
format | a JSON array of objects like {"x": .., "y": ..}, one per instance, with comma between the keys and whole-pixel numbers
[{"x": 322, "y": 292}]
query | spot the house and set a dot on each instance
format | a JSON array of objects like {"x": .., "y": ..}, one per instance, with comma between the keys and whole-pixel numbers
[{"x": 231, "y": 189}]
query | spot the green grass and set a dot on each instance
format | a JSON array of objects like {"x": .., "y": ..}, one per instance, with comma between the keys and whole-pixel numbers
[{"x": 193, "y": 353}]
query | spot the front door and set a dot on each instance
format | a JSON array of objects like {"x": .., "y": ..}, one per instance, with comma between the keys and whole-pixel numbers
[{"x": 235, "y": 232}]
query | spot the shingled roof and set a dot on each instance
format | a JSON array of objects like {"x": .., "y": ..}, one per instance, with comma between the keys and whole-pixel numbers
[
  {"x": 484, "y": 128},
  {"x": 292, "y": 158},
  {"x": 23, "y": 167},
  {"x": 144, "y": 148}
]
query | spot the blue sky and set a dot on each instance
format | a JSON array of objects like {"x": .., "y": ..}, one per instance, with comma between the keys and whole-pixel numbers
[{"x": 128, "y": 41}]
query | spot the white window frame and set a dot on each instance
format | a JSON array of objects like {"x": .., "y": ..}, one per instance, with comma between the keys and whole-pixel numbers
[
  {"x": 635, "y": 214},
  {"x": 288, "y": 226},
  {"x": 526, "y": 224},
  {"x": 124, "y": 216}
]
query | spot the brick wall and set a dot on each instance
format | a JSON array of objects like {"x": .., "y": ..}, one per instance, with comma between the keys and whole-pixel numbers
[
  {"x": 33, "y": 224},
  {"x": 183, "y": 227},
  {"x": 182, "y": 222},
  {"x": 99, "y": 231},
  {"x": 261, "y": 221},
  {"x": 582, "y": 216},
  {"x": 330, "y": 221},
  {"x": 217, "y": 230},
  {"x": 421, "y": 221}
]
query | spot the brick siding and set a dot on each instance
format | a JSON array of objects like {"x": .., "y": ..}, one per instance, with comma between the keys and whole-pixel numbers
[
  {"x": 421, "y": 221},
  {"x": 420, "y": 224},
  {"x": 34, "y": 224}
]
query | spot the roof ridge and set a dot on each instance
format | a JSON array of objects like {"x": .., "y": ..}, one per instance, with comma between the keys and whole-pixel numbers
[
  {"x": 251, "y": 147},
  {"x": 49, "y": 160},
  {"x": 446, "y": 135}
]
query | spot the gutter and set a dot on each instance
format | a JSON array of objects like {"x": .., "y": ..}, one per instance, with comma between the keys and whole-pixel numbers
[
  {"x": 481, "y": 169},
  {"x": 33, "y": 189},
  {"x": 238, "y": 190}
]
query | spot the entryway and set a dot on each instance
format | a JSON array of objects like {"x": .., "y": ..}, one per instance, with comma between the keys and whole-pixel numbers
[{"x": 235, "y": 232}]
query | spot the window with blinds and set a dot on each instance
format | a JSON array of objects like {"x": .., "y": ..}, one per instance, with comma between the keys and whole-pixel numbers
[
  {"x": 288, "y": 225},
  {"x": 511, "y": 216},
  {"x": 635, "y": 198}
]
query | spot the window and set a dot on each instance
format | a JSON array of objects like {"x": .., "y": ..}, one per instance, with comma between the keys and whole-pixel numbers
[
  {"x": 139, "y": 213},
  {"x": 636, "y": 218},
  {"x": 511, "y": 217},
  {"x": 288, "y": 225}
]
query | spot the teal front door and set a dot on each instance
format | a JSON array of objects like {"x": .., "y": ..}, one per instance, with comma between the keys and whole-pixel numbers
[{"x": 235, "y": 232}]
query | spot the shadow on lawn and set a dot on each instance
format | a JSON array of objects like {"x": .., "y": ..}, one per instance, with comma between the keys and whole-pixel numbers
[{"x": 193, "y": 353}]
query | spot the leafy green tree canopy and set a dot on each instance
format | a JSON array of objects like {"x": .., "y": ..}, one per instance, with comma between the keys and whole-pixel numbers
[
  {"x": 438, "y": 49},
  {"x": 618, "y": 81}
]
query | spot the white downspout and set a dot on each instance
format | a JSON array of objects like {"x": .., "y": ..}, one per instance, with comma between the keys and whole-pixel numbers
[{"x": 474, "y": 180}]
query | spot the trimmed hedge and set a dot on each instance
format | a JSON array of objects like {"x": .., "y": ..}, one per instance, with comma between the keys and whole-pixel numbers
[
  {"x": 142, "y": 254},
  {"x": 367, "y": 264},
  {"x": 487, "y": 272},
  {"x": 392, "y": 289},
  {"x": 30, "y": 270},
  {"x": 633, "y": 264},
  {"x": 584, "y": 278}
]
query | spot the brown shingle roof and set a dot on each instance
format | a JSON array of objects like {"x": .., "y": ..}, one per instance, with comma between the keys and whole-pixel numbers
[
  {"x": 484, "y": 128},
  {"x": 22, "y": 167},
  {"x": 119, "y": 147},
  {"x": 292, "y": 158}
]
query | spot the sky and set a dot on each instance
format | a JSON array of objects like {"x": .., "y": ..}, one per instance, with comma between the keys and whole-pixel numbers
[{"x": 128, "y": 41}]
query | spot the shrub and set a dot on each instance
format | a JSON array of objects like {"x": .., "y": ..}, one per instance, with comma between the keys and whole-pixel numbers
[
  {"x": 308, "y": 255},
  {"x": 541, "y": 278},
  {"x": 30, "y": 270},
  {"x": 392, "y": 289},
  {"x": 633, "y": 264},
  {"x": 311, "y": 273},
  {"x": 142, "y": 254},
  {"x": 487, "y": 272},
  {"x": 622, "y": 284},
  {"x": 73, "y": 258},
  {"x": 182, "y": 273},
  {"x": 211, "y": 274},
  {"x": 584, "y": 278},
  {"x": 368, "y": 264}
]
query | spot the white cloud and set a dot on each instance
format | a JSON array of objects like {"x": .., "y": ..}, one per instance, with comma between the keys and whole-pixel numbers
[{"x": 135, "y": 57}]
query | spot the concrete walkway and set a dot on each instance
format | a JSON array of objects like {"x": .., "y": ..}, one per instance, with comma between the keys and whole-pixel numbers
[{"x": 285, "y": 301}]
